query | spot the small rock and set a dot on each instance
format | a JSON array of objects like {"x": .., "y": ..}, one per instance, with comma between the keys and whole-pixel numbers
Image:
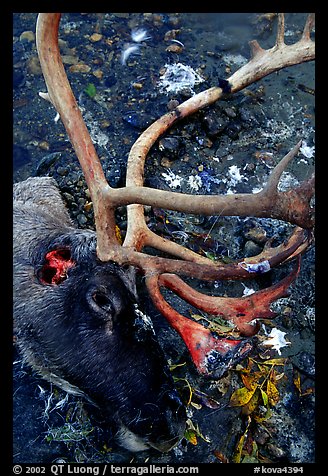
[
  {"x": 137, "y": 85},
  {"x": 44, "y": 145},
  {"x": 214, "y": 123},
  {"x": 70, "y": 59},
  {"x": 174, "y": 48},
  {"x": 98, "y": 73},
  {"x": 82, "y": 219},
  {"x": 256, "y": 234},
  {"x": 247, "y": 117},
  {"x": 251, "y": 249},
  {"x": 88, "y": 206},
  {"x": 171, "y": 146},
  {"x": 305, "y": 362},
  {"x": 165, "y": 162},
  {"x": 95, "y": 37},
  {"x": 68, "y": 197},
  {"x": 171, "y": 35},
  {"x": 80, "y": 68},
  {"x": 233, "y": 130},
  {"x": 104, "y": 124},
  {"x": 230, "y": 112},
  {"x": 172, "y": 104},
  {"x": 33, "y": 66},
  {"x": 139, "y": 120},
  {"x": 27, "y": 36},
  {"x": 275, "y": 451},
  {"x": 62, "y": 171}
]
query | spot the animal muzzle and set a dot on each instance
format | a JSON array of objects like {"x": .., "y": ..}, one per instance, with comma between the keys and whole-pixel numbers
[{"x": 160, "y": 429}]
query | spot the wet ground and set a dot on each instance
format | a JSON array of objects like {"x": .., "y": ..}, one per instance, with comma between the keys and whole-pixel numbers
[{"x": 229, "y": 147}]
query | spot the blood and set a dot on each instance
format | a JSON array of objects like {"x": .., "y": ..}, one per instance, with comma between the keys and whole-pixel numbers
[{"x": 57, "y": 263}]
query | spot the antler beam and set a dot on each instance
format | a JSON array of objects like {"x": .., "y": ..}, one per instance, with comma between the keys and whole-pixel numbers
[{"x": 209, "y": 352}]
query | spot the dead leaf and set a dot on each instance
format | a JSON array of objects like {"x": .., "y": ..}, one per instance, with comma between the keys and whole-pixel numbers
[
  {"x": 273, "y": 393},
  {"x": 242, "y": 396},
  {"x": 253, "y": 403}
]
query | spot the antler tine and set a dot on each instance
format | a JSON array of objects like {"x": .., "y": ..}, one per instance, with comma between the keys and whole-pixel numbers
[
  {"x": 244, "y": 269},
  {"x": 212, "y": 354},
  {"x": 242, "y": 312},
  {"x": 309, "y": 25},
  {"x": 280, "y": 40},
  {"x": 61, "y": 96},
  {"x": 264, "y": 62}
]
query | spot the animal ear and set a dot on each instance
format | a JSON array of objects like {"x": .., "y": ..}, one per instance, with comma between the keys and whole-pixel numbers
[{"x": 55, "y": 267}]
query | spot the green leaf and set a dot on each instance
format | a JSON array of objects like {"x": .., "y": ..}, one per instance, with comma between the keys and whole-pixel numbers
[
  {"x": 264, "y": 397},
  {"x": 190, "y": 435},
  {"x": 90, "y": 90}
]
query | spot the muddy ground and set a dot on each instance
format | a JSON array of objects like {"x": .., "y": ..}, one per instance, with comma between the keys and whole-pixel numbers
[{"x": 229, "y": 147}]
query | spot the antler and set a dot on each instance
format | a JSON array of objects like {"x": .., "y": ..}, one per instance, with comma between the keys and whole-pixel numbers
[{"x": 293, "y": 205}]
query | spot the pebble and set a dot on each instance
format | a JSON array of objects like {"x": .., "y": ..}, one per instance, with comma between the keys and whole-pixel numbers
[
  {"x": 174, "y": 48},
  {"x": 275, "y": 451},
  {"x": 44, "y": 145},
  {"x": 68, "y": 197},
  {"x": 215, "y": 123},
  {"x": 33, "y": 66},
  {"x": 98, "y": 73},
  {"x": 233, "y": 130},
  {"x": 306, "y": 363},
  {"x": 171, "y": 35},
  {"x": 256, "y": 234},
  {"x": 82, "y": 219},
  {"x": 80, "y": 68},
  {"x": 170, "y": 146},
  {"x": 137, "y": 85},
  {"x": 172, "y": 104},
  {"x": 251, "y": 249},
  {"x": 62, "y": 171},
  {"x": 95, "y": 37},
  {"x": 27, "y": 36},
  {"x": 69, "y": 59},
  {"x": 230, "y": 112}
]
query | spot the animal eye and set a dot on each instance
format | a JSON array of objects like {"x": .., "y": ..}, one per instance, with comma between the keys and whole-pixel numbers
[
  {"x": 55, "y": 267},
  {"x": 102, "y": 301}
]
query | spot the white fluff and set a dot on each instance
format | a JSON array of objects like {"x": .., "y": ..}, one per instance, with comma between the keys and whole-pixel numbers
[
  {"x": 139, "y": 34},
  {"x": 127, "y": 51},
  {"x": 276, "y": 340}
]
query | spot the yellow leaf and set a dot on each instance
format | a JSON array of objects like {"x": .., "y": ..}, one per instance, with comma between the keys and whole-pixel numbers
[
  {"x": 280, "y": 361},
  {"x": 273, "y": 393},
  {"x": 266, "y": 416},
  {"x": 241, "y": 396},
  {"x": 252, "y": 404},
  {"x": 239, "y": 448},
  {"x": 297, "y": 382}
]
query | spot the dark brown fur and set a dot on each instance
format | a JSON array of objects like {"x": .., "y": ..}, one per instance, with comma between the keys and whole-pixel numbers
[{"x": 84, "y": 331}]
